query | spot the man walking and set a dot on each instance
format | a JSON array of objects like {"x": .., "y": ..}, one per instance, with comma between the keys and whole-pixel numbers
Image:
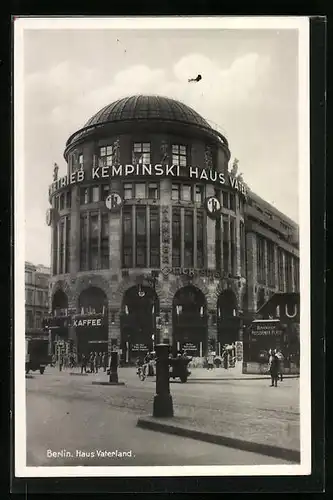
[
  {"x": 83, "y": 363},
  {"x": 274, "y": 369}
]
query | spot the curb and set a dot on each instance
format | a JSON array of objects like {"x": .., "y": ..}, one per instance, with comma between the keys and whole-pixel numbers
[
  {"x": 108, "y": 383},
  {"x": 204, "y": 379},
  {"x": 157, "y": 424},
  {"x": 79, "y": 374}
]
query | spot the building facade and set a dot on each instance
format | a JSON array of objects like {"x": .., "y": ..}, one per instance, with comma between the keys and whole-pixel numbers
[
  {"x": 36, "y": 297},
  {"x": 155, "y": 238}
]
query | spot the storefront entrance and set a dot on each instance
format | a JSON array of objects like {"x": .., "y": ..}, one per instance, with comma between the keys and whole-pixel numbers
[
  {"x": 91, "y": 322},
  {"x": 189, "y": 322},
  {"x": 228, "y": 322},
  {"x": 140, "y": 308}
]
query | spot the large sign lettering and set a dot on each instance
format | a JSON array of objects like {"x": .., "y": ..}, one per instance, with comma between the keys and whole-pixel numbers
[
  {"x": 92, "y": 322},
  {"x": 184, "y": 271},
  {"x": 158, "y": 170}
]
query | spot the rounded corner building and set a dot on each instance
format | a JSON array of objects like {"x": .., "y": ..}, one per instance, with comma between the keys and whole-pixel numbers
[{"x": 155, "y": 240}]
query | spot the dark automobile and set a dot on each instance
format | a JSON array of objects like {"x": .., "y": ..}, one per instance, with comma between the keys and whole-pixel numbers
[
  {"x": 179, "y": 368},
  {"x": 36, "y": 355}
]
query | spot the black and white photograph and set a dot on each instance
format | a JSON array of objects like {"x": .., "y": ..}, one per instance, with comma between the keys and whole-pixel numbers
[{"x": 162, "y": 262}]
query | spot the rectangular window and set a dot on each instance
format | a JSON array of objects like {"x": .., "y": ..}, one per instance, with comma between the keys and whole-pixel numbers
[
  {"x": 288, "y": 264},
  {"x": 226, "y": 244},
  {"x": 296, "y": 274},
  {"x": 200, "y": 240},
  {"x": 141, "y": 235},
  {"x": 261, "y": 259},
  {"x": 271, "y": 264},
  {"x": 140, "y": 190},
  {"x": 128, "y": 191},
  {"x": 186, "y": 192},
  {"x": 104, "y": 241},
  {"x": 232, "y": 202},
  {"x": 154, "y": 237},
  {"x": 29, "y": 319},
  {"x": 218, "y": 236},
  {"x": 141, "y": 153},
  {"x": 55, "y": 251},
  {"x": 38, "y": 320},
  {"x": 84, "y": 196},
  {"x": 106, "y": 155},
  {"x": 153, "y": 190},
  {"x": 81, "y": 161},
  {"x": 61, "y": 247},
  {"x": 280, "y": 270},
  {"x": 176, "y": 232},
  {"x": 199, "y": 194},
  {"x": 95, "y": 194},
  {"x": 225, "y": 199},
  {"x": 62, "y": 201},
  {"x": 127, "y": 238},
  {"x": 83, "y": 242},
  {"x": 176, "y": 191},
  {"x": 242, "y": 247},
  {"x": 68, "y": 244},
  {"x": 188, "y": 238},
  {"x": 233, "y": 246},
  {"x": 68, "y": 199},
  {"x": 179, "y": 155},
  {"x": 93, "y": 241},
  {"x": 105, "y": 191},
  {"x": 217, "y": 194},
  {"x": 28, "y": 277}
]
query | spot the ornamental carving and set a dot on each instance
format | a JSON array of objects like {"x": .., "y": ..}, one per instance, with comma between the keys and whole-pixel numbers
[
  {"x": 164, "y": 152},
  {"x": 208, "y": 157},
  {"x": 165, "y": 235}
]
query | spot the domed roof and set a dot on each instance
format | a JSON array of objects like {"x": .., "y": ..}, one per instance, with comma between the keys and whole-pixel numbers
[{"x": 147, "y": 107}]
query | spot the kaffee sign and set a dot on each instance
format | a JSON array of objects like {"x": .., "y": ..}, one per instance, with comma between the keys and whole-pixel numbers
[{"x": 158, "y": 170}]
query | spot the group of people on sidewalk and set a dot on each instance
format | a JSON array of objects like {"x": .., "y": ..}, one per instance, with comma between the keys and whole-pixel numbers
[{"x": 93, "y": 362}]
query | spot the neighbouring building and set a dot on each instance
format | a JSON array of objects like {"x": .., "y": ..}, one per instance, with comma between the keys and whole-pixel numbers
[
  {"x": 36, "y": 297},
  {"x": 156, "y": 238}
]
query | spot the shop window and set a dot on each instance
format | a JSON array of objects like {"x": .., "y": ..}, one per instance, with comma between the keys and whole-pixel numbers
[
  {"x": 141, "y": 153},
  {"x": 179, "y": 155}
]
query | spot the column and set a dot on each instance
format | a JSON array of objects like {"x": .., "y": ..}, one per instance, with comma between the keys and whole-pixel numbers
[
  {"x": 113, "y": 329},
  {"x": 165, "y": 223},
  {"x": 238, "y": 244},
  {"x": 115, "y": 233},
  {"x": 182, "y": 241},
  {"x": 148, "y": 237},
  {"x": 195, "y": 237},
  {"x": 284, "y": 271},
  {"x": 75, "y": 233},
  {"x": 210, "y": 234},
  {"x": 58, "y": 270}
]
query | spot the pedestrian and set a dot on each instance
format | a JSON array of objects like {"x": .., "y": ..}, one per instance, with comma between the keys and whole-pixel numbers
[
  {"x": 61, "y": 362},
  {"x": 281, "y": 363},
  {"x": 274, "y": 369},
  {"x": 210, "y": 361},
  {"x": 96, "y": 362},
  {"x": 105, "y": 361},
  {"x": 83, "y": 363},
  {"x": 92, "y": 362}
]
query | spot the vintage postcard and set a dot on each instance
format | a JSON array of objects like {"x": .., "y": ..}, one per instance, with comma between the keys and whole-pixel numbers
[{"x": 162, "y": 234}]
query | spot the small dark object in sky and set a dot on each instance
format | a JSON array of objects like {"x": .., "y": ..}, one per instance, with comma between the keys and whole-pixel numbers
[{"x": 197, "y": 79}]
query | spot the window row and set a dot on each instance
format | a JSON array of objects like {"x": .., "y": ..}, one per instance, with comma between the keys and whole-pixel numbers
[
  {"x": 36, "y": 298},
  {"x": 62, "y": 201},
  {"x": 141, "y": 154},
  {"x": 228, "y": 200},
  {"x": 278, "y": 268},
  {"x": 33, "y": 320}
]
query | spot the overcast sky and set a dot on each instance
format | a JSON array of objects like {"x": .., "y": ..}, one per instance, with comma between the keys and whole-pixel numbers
[{"x": 249, "y": 88}]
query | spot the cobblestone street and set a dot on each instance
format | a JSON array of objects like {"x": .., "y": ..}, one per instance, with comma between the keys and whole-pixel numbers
[{"x": 67, "y": 412}]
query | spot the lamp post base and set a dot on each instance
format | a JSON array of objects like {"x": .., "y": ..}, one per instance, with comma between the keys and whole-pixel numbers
[
  {"x": 113, "y": 377},
  {"x": 163, "y": 406}
]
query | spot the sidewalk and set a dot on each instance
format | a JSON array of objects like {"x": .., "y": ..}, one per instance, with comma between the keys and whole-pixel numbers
[{"x": 229, "y": 374}]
